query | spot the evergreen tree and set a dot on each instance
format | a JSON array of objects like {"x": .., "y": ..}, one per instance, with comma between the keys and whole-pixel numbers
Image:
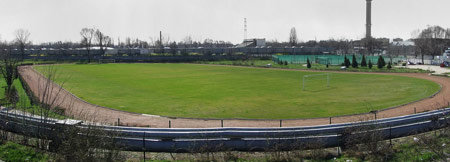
[
  {"x": 308, "y": 64},
  {"x": 346, "y": 62},
  {"x": 380, "y": 62},
  {"x": 363, "y": 61},
  {"x": 370, "y": 64},
  {"x": 354, "y": 63},
  {"x": 285, "y": 63},
  {"x": 389, "y": 66}
]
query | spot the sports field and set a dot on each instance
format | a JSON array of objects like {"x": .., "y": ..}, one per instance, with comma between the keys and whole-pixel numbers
[{"x": 203, "y": 91}]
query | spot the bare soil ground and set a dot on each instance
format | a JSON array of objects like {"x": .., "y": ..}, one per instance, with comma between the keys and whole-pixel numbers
[
  {"x": 80, "y": 109},
  {"x": 437, "y": 69}
]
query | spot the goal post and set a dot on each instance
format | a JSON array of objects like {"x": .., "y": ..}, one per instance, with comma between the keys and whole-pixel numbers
[
  {"x": 318, "y": 77},
  {"x": 104, "y": 61},
  {"x": 323, "y": 60}
]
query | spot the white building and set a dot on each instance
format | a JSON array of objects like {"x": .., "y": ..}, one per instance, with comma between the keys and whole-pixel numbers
[{"x": 254, "y": 42}]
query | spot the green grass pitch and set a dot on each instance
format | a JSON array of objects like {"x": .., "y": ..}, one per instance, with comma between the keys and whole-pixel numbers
[{"x": 202, "y": 91}]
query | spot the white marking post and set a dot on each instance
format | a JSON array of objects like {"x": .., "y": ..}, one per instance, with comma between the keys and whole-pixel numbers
[{"x": 307, "y": 76}]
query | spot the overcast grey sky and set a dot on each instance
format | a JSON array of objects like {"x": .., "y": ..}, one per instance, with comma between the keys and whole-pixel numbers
[{"x": 53, "y": 20}]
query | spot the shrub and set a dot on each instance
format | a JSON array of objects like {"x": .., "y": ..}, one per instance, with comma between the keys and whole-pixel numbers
[
  {"x": 380, "y": 62},
  {"x": 370, "y": 64},
  {"x": 346, "y": 62},
  {"x": 363, "y": 61},
  {"x": 308, "y": 64},
  {"x": 389, "y": 66},
  {"x": 354, "y": 63}
]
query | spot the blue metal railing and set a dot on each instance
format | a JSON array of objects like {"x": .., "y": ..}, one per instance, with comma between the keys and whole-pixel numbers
[{"x": 232, "y": 138}]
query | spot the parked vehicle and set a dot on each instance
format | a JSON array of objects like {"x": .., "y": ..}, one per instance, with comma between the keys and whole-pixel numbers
[{"x": 445, "y": 64}]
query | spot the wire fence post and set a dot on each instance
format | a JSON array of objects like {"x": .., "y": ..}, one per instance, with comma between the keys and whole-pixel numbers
[
  {"x": 390, "y": 136},
  {"x": 118, "y": 121},
  {"x": 415, "y": 111},
  {"x": 281, "y": 123},
  {"x": 170, "y": 124},
  {"x": 221, "y": 123},
  {"x": 330, "y": 120},
  {"x": 143, "y": 144}
]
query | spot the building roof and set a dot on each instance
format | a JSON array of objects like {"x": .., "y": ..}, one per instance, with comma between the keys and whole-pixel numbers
[{"x": 403, "y": 43}]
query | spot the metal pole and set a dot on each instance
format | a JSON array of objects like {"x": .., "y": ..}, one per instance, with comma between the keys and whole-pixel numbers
[
  {"x": 143, "y": 143},
  {"x": 330, "y": 120},
  {"x": 390, "y": 136},
  {"x": 118, "y": 121},
  {"x": 221, "y": 121},
  {"x": 170, "y": 124},
  {"x": 375, "y": 115},
  {"x": 415, "y": 110},
  {"x": 339, "y": 151},
  {"x": 281, "y": 123}
]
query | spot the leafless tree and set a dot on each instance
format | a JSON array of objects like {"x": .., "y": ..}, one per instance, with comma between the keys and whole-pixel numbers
[
  {"x": 187, "y": 40},
  {"x": 8, "y": 70},
  {"x": 87, "y": 34},
  {"x": 22, "y": 40},
  {"x": 103, "y": 41},
  {"x": 293, "y": 40},
  {"x": 70, "y": 142},
  {"x": 432, "y": 40}
]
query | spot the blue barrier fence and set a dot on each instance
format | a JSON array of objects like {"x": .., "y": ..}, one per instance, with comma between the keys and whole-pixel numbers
[{"x": 232, "y": 138}]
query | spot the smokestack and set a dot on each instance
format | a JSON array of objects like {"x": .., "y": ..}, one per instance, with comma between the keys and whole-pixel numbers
[
  {"x": 368, "y": 19},
  {"x": 160, "y": 39}
]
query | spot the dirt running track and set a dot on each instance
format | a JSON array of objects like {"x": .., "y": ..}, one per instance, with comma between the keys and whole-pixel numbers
[{"x": 86, "y": 111}]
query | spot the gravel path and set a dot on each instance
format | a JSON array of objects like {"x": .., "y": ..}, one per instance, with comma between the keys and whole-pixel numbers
[
  {"x": 86, "y": 111},
  {"x": 437, "y": 69}
]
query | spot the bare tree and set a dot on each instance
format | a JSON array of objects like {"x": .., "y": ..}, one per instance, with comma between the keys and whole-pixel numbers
[
  {"x": 9, "y": 71},
  {"x": 187, "y": 40},
  {"x": 432, "y": 40},
  {"x": 86, "y": 40},
  {"x": 22, "y": 40},
  {"x": 103, "y": 41},
  {"x": 293, "y": 40}
]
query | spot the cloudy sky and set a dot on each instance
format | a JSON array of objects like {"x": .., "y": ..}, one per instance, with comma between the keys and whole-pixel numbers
[{"x": 53, "y": 20}]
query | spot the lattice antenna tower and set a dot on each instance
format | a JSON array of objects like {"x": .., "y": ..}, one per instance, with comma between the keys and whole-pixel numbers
[{"x": 245, "y": 28}]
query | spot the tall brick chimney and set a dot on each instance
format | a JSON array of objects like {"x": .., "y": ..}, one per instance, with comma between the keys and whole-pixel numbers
[{"x": 368, "y": 19}]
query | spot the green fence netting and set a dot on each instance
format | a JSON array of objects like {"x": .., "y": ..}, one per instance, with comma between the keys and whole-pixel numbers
[{"x": 330, "y": 59}]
